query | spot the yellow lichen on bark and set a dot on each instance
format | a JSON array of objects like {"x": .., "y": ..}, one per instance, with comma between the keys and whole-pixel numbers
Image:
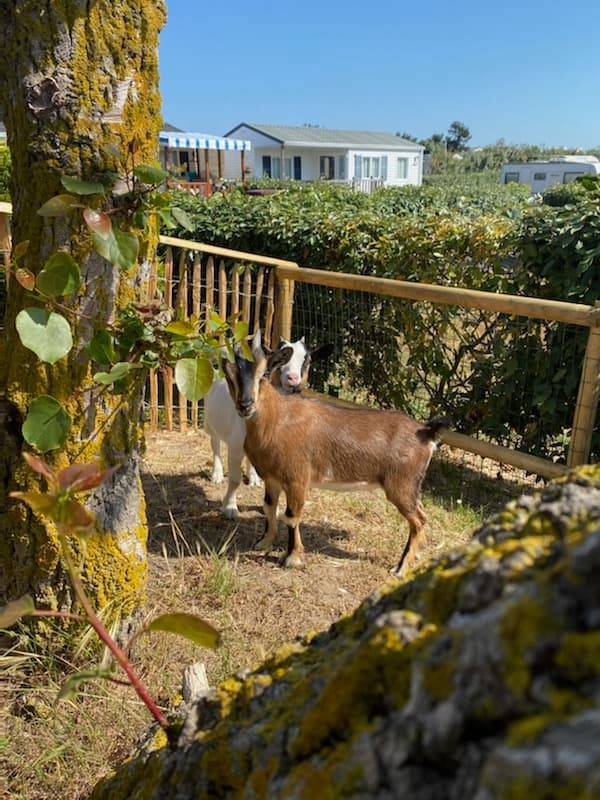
[{"x": 79, "y": 89}]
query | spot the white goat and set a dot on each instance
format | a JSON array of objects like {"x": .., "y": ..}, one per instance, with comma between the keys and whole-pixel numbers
[{"x": 222, "y": 422}]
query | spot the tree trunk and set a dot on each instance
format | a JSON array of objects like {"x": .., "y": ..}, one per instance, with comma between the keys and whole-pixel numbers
[{"x": 78, "y": 84}]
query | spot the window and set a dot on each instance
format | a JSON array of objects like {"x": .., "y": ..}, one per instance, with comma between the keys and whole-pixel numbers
[
  {"x": 539, "y": 176},
  {"x": 287, "y": 168},
  {"x": 374, "y": 167},
  {"x": 402, "y": 168},
  {"x": 569, "y": 177},
  {"x": 276, "y": 168},
  {"x": 366, "y": 167},
  {"x": 384, "y": 160},
  {"x": 342, "y": 168},
  {"x": 266, "y": 166},
  {"x": 297, "y": 168},
  {"x": 511, "y": 177},
  {"x": 357, "y": 167},
  {"x": 327, "y": 167}
]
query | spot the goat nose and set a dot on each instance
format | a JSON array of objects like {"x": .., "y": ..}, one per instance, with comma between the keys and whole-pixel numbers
[{"x": 293, "y": 378}]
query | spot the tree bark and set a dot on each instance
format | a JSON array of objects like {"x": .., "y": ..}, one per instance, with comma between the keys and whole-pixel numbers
[
  {"x": 78, "y": 84},
  {"x": 476, "y": 679}
]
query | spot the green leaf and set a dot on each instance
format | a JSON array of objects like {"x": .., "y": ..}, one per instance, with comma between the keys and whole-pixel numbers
[
  {"x": 215, "y": 322},
  {"x": 194, "y": 377},
  {"x": 71, "y": 686},
  {"x": 181, "y": 327},
  {"x": 77, "y": 186},
  {"x": 117, "y": 373},
  {"x": 60, "y": 276},
  {"x": 46, "y": 333},
  {"x": 20, "y": 249},
  {"x": 101, "y": 348},
  {"x": 59, "y": 206},
  {"x": 240, "y": 331},
  {"x": 149, "y": 174},
  {"x": 11, "y": 613},
  {"x": 189, "y": 626},
  {"x": 119, "y": 247},
  {"x": 182, "y": 218},
  {"x": 47, "y": 424}
]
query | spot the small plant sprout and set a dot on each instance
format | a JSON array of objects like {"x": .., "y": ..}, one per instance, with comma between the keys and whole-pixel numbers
[{"x": 62, "y": 504}]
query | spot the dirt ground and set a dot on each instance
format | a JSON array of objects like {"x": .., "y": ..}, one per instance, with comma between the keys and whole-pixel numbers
[{"x": 202, "y": 563}]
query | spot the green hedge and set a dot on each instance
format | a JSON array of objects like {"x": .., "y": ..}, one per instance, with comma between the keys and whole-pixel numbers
[
  {"x": 512, "y": 380},
  {"x": 4, "y": 172}
]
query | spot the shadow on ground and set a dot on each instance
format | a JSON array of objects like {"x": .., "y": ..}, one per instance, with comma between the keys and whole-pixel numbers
[{"x": 184, "y": 520}]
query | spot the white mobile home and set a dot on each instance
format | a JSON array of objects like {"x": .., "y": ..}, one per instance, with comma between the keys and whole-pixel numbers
[
  {"x": 540, "y": 175},
  {"x": 309, "y": 153}
]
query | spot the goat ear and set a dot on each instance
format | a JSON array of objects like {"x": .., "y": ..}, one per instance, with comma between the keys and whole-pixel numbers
[
  {"x": 322, "y": 352},
  {"x": 279, "y": 357},
  {"x": 256, "y": 346}
]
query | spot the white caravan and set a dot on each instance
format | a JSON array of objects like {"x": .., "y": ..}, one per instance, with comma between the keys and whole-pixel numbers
[{"x": 542, "y": 174}]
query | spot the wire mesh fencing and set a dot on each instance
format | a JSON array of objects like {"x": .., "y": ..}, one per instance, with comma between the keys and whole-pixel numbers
[{"x": 506, "y": 379}]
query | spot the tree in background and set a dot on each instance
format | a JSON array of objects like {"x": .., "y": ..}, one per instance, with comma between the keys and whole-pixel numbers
[
  {"x": 458, "y": 136},
  {"x": 79, "y": 96}
]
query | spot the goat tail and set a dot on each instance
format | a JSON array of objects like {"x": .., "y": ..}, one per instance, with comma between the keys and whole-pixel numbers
[{"x": 432, "y": 429}]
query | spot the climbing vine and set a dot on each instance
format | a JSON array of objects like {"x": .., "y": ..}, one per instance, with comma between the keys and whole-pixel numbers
[{"x": 119, "y": 215}]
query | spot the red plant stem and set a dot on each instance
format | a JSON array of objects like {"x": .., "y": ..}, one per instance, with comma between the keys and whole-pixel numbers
[{"x": 114, "y": 648}]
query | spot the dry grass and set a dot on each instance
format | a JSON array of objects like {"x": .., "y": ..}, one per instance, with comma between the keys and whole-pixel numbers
[{"x": 202, "y": 563}]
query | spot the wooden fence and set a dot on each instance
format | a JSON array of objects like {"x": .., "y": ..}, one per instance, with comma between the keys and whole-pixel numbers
[
  {"x": 243, "y": 276},
  {"x": 196, "y": 278}
]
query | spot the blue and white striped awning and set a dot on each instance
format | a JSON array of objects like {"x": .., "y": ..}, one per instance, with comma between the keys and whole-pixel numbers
[{"x": 201, "y": 141}]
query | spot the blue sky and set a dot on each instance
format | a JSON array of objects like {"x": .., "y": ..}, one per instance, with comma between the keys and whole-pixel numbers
[{"x": 526, "y": 71}]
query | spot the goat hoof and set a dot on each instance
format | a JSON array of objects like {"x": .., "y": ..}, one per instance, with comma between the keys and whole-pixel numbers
[
  {"x": 399, "y": 572},
  {"x": 231, "y": 512},
  {"x": 292, "y": 562}
]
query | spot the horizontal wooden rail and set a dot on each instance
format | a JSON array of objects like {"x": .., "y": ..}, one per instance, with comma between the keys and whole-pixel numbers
[
  {"x": 504, "y": 455},
  {"x": 225, "y": 252},
  {"x": 573, "y": 313}
]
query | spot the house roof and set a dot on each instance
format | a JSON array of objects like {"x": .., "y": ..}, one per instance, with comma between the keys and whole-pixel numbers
[
  {"x": 316, "y": 136},
  {"x": 171, "y": 128}
]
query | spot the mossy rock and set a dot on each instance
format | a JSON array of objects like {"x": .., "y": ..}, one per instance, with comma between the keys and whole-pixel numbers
[{"x": 478, "y": 677}]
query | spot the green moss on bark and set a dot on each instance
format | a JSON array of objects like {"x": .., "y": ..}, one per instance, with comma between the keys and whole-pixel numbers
[{"x": 61, "y": 68}]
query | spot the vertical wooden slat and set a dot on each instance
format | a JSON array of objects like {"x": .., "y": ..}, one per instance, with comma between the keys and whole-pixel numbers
[
  {"x": 196, "y": 307},
  {"x": 270, "y": 309},
  {"x": 219, "y": 164},
  {"x": 247, "y": 294},
  {"x": 153, "y": 378},
  {"x": 167, "y": 373},
  {"x": 587, "y": 401},
  {"x": 235, "y": 290},
  {"x": 259, "y": 287},
  {"x": 182, "y": 307},
  {"x": 222, "y": 290},
  {"x": 153, "y": 400},
  {"x": 210, "y": 286},
  {"x": 169, "y": 277}
]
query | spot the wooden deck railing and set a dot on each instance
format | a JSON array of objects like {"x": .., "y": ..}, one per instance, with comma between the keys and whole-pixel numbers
[{"x": 196, "y": 277}]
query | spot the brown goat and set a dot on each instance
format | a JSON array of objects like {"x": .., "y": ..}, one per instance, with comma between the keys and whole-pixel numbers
[{"x": 295, "y": 443}]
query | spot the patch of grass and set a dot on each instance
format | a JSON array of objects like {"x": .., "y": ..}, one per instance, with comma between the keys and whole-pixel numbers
[{"x": 204, "y": 564}]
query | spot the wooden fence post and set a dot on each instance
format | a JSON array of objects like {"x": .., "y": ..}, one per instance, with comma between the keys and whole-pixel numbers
[
  {"x": 167, "y": 372},
  {"x": 284, "y": 306},
  {"x": 182, "y": 305},
  {"x": 587, "y": 399}
]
